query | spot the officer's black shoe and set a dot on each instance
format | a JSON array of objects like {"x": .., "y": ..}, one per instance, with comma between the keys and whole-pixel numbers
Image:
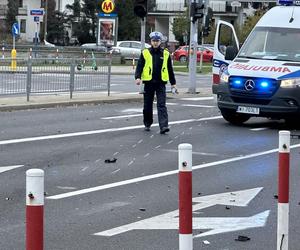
[
  {"x": 164, "y": 130},
  {"x": 147, "y": 128}
]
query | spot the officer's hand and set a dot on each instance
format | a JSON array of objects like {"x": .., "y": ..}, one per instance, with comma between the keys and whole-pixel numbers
[
  {"x": 174, "y": 89},
  {"x": 138, "y": 81}
]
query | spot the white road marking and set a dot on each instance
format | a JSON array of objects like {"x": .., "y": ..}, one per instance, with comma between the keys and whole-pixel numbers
[
  {"x": 197, "y": 98},
  {"x": 146, "y": 155},
  {"x": 140, "y": 141},
  {"x": 130, "y": 163},
  {"x": 67, "y": 188},
  {"x": 85, "y": 168},
  {"x": 163, "y": 174},
  {"x": 198, "y": 106},
  {"x": 194, "y": 153},
  {"x": 138, "y": 110},
  {"x": 7, "y": 168},
  {"x": 100, "y": 131},
  {"x": 258, "y": 129},
  {"x": 120, "y": 116},
  {"x": 113, "y": 172},
  {"x": 115, "y": 153},
  {"x": 158, "y": 146},
  {"x": 169, "y": 142},
  {"x": 215, "y": 225}
]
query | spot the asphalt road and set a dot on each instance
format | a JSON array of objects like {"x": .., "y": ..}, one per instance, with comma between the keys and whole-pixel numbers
[{"x": 143, "y": 180}]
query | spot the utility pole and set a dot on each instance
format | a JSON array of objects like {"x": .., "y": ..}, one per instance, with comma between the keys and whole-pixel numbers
[
  {"x": 196, "y": 12},
  {"x": 193, "y": 57},
  {"x": 46, "y": 20}
]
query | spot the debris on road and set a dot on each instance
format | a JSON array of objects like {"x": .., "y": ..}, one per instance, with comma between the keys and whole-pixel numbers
[
  {"x": 242, "y": 238},
  {"x": 276, "y": 196},
  {"x": 142, "y": 209},
  {"x": 206, "y": 242},
  {"x": 112, "y": 160}
]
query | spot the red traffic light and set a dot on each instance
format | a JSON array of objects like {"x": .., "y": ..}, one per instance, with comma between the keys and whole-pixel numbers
[{"x": 140, "y": 8}]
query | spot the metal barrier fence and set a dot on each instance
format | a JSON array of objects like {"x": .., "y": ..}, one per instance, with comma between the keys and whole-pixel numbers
[{"x": 44, "y": 75}]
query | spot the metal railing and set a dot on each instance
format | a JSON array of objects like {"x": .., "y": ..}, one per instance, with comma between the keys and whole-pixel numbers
[{"x": 44, "y": 75}]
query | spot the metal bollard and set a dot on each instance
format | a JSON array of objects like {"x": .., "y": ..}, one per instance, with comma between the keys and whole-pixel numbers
[
  {"x": 185, "y": 197},
  {"x": 34, "y": 209},
  {"x": 283, "y": 191},
  {"x": 3, "y": 56}
]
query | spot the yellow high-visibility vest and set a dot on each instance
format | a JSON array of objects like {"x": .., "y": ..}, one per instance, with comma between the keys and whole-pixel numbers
[{"x": 148, "y": 67}]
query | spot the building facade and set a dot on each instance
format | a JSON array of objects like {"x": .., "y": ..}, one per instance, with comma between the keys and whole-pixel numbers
[{"x": 233, "y": 11}]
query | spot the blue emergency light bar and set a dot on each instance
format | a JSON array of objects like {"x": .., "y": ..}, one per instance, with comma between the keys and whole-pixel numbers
[{"x": 288, "y": 2}]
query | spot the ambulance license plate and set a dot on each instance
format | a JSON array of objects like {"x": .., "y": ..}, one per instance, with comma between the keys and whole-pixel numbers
[{"x": 248, "y": 110}]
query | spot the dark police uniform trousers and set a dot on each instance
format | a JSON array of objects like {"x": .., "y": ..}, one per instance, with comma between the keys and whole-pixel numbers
[{"x": 150, "y": 89}]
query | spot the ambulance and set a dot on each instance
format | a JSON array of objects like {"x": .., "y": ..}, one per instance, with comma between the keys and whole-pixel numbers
[{"x": 262, "y": 78}]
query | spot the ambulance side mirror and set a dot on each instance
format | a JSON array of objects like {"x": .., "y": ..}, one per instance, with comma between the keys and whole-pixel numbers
[{"x": 231, "y": 52}]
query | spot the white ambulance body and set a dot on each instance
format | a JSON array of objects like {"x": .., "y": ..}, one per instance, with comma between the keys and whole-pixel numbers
[{"x": 263, "y": 77}]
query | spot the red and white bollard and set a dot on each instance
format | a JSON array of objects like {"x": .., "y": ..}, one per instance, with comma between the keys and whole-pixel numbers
[
  {"x": 185, "y": 197},
  {"x": 283, "y": 191},
  {"x": 34, "y": 209}
]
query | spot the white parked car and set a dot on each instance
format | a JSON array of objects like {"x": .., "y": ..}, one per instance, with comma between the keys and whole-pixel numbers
[
  {"x": 94, "y": 46},
  {"x": 129, "y": 49}
]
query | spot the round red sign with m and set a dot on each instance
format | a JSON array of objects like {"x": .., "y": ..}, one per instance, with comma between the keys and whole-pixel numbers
[{"x": 108, "y": 6}]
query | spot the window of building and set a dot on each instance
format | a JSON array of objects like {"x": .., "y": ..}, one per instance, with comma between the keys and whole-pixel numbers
[
  {"x": 20, "y": 3},
  {"x": 23, "y": 26}
]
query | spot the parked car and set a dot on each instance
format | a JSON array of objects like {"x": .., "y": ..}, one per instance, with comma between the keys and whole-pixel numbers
[
  {"x": 94, "y": 46},
  {"x": 181, "y": 54},
  {"x": 47, "y": 44},
  {"x": 129, "y": 49}
]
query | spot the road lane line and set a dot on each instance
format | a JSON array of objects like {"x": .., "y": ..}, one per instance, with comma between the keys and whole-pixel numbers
[
  {"x": 120, "y": 116},
  {"x": 198, "y": 106},
  {"x": 7, "y": 168},
  {"x": 163, "y": 174},
  {"x": 258, "y": 129},
  {"x": 100, "y": 131},
  {"x": 197, "y": 98}
]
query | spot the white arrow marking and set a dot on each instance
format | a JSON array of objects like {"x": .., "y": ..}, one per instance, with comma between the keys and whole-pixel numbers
[
  {"x": 7, "y": 168},
  {"x": 217, "y": 224},
  {"x": 224, "y": 225}
]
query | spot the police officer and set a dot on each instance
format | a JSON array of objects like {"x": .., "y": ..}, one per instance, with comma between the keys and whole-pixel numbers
[{"x": 155, "y": 69}]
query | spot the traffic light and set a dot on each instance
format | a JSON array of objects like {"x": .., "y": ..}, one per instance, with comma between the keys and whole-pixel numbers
[
  {"x": 140, "y": 8},
  {"x": 208, "y": 22},
  {"x": 197, "y": 10}
]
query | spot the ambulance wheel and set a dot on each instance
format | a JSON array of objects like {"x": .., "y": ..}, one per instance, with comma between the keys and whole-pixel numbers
[{"x": 234, "y": 118}]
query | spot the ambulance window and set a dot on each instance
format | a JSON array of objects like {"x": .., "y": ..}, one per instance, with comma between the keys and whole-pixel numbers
[
  {"x": 226, "y": 38},
  {"x": 272, "y": 43}
]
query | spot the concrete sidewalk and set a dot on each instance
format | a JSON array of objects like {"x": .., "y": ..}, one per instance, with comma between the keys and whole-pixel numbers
[{"x": 80, "y": 98}]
